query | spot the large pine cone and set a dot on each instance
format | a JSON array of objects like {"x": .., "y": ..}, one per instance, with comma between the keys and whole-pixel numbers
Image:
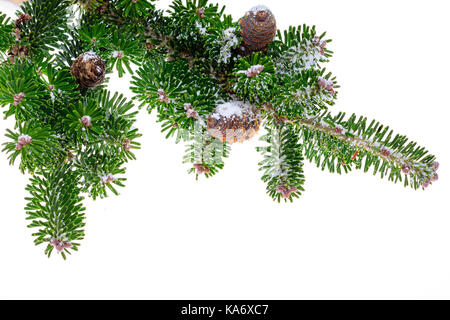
[
  {"x": 258, "y": 28},
  {"x": 89, "y": 70},
  {"x": 234, "y": 122}
]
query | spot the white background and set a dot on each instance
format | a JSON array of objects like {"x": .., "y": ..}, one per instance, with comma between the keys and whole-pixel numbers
[{"x": 354, "y": 236}]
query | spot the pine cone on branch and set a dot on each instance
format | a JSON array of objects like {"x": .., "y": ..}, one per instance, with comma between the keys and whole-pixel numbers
[
  {"x": 234, "y": 122},
  {"x": 89, "y": 70},
  {"x": 258, "y": 28}
]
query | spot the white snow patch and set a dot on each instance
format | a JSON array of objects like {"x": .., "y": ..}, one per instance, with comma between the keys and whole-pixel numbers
[
  {"x": 200, "y": 28},
  {"x": 201, "y": 122},
  {"x": 256, "y": 9},
  {"x": 24, "y": 137},
  {"x": 254, "y": 70},
  {"x": 230, "y": 109},
  {"x": 118, "y": 54},
  {"x": 229, "y": 41},
  {"x": 89, "y": 55}
]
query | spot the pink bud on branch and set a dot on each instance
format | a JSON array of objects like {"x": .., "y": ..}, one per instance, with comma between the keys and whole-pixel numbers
[
  {"x": 86, "y": 121},
  {"x": 162, "y": 96},
  {"x": 126, "y": 144},
  {"x": 107, "y": 179},
  {"x": 18, "y": 98},
  {"x": 253, "y": 71},
  {"x": 435, "y": 166},
  {"x": 285, "y": 191},
  {"x": 406, "y": 169},
  {"x": 60, "y": 245},
  {"x": 327, "y": 85},
  {"x": 22, "y": 141},
  {"x": 320, "y": 43},
  {"x": 385, "y": 152},
  {"x": 190, "y": 112},
  {"x": 426, "y": 183},
  {"x": 201, "y": 13},
  {"x": 201, "y": 168},
  {"x": 339, "y": 129}
]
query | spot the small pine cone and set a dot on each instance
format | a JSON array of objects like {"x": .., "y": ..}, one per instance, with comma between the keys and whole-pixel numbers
[
  {"x": 89, "y": 70},
  {"x": 23, "y": 18},
  {"x": 234, "y": 122},
  {"x": 258, "y": 28}
]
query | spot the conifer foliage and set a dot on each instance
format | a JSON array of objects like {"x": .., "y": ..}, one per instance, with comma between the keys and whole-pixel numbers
[{"x": 212, "y": 79}]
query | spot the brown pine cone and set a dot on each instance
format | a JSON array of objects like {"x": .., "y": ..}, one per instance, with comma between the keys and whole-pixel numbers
[
  {"x": 89, "y": 70},
  {"x": 258, "y": 28},
  {"x": 234, "y": 122},
  {"x": 22, "y": 18}
]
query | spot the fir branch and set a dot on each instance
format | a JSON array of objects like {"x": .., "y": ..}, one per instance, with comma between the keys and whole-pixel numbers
[
  {"x": 205, "y": 153},
  {"x": 254, "y": 78},
  {"x": 223, "y": 39},
  {"x": 27, "y": 95},
  {"x": 119, "y": 134},
  {"x": 36, "y": 144},
  {"x": 302, "y": 93},
  {"x": 355, "y": 142},
  {"x": 134, "y": 8},
  {"x": 59, "y": 83},
  {"x": 190, "y": 20},
  {"x": 299, "y": 48},
  {"x": 282, "y": 166},
  {"x": 47, "y": 26},
  {"x": 84, "y": 121},
  {"x": 99, "y": 171},
  {"x": 90, "y": 5},
  {"x": 71, "y": 48},
  {"x": 179, "y": 100},
  {"x": 76, "y": 139},
  {"x": 124, "y": 51},
  {"x": 158, "y": 77},
  {"x": 55, "y": 208},
  {"x": 6, "y": 33}
]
